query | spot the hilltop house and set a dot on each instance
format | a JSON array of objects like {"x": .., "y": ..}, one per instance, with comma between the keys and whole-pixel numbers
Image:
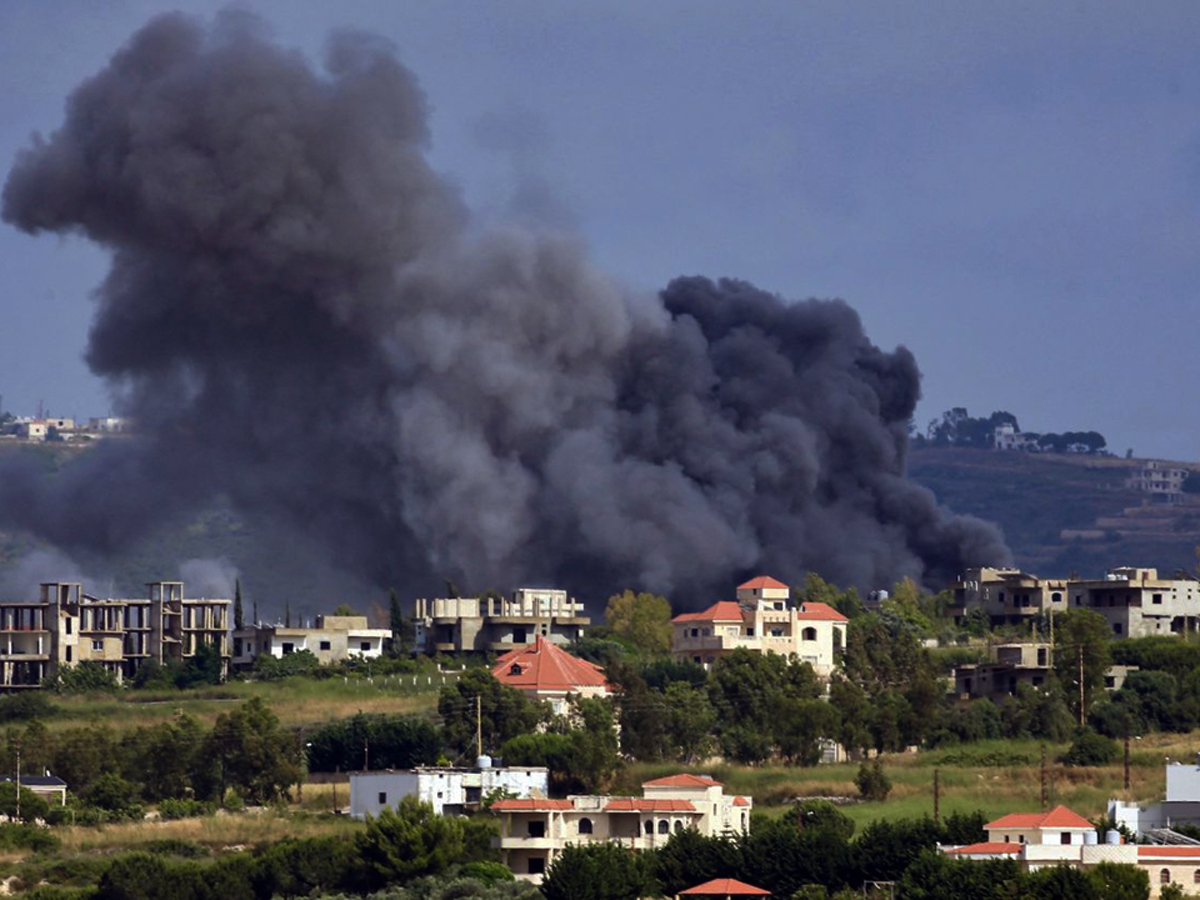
[
  {"x": 763, "y": 619},
  {"x": 1062, "y": 837},
  {"x": 65, "y": 627},
  {"x": 546, "y": 672},
  {"x": 497, "y": 624},
  {"x": 534, "y": 831},
  {"x": 334, "y": 639}
]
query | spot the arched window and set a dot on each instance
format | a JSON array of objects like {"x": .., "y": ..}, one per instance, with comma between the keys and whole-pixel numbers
[
  {"x": 585, "y": 826},
  {"x": 1056, "y": 597},
  {"x": 664, "y": 827},
  {"x": 1196, "y": 877},
  {"x": 678, "y": 825},
  {"x": 809, "y": 634},
  {"x": 649, "y": 827},
  {"x": 1164, "y": 876}
]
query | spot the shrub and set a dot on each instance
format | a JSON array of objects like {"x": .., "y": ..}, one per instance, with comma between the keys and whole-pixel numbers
[
  {"x": 114, "y": 794},
  {"x": 872, "y": 781},
  {"x": 32, "y": 806},
  {"x": 487, "y": 872},
  {"x": 271, "y": 668},
  {"x": 1090, "y": 749},
  {"x": 24, "y": 706},
  {"x": 185, "y": 808}
]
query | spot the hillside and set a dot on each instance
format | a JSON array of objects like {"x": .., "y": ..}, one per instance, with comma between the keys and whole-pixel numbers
[{"x": 1063, "y": 513}]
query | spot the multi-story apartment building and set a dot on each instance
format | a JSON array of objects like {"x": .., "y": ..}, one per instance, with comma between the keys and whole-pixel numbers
[
  {"x": 65, "y": 627},
  {"x": 497, "y": 624},
  {"x": 1162, "y": 481},
  {"x": 1015, "y": 664},
  {"x": 534, "y": 831},
  {"x": 1008, "y": 596},
  {"x": 335, "y": 638},
  {"x": 763, "y": 619}
]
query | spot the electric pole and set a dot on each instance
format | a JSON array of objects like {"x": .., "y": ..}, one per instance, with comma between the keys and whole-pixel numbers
[
  {"x": 1127, "y": 758},
  {"x": 1043, "y": 777},
  {"x": 937, "y": 795},
  {"x": 478, "y": 726},
  {"x": 1081, "y": 709},
  {"x": 18, "y": 781}
]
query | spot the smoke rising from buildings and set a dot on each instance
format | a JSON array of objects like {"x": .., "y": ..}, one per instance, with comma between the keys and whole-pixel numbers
[{"x": 301, "y": 318}]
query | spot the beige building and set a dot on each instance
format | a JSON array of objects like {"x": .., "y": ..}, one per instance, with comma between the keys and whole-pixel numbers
[
  {"x": 534, "y": 831},
  {"x": 66, "y": 626},
  {"x": 334, "y": 639},
  {"x": 497, "y": 624},
  {"x": 1137, "y": 603},
  {"x": 1162, "y": 481},
  {"x": 1008, "y": 596},
  {"x": 1014, "y": 664},
  {"x": 1064, "y": 838},
  {"x": 763, "y": 619}
]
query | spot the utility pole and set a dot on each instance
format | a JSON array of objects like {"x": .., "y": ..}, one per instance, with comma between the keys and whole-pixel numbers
[
  {"x": 937, "y": 795},
  {"x": 18, "y": 781},
  {"x": 1043, "y": 777},
  {"x": 1127, "y": 758},
  {"x": 478, "y": 725},
  {"x": 366, "y": 756}
]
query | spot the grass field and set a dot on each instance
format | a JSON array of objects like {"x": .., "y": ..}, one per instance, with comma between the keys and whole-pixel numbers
[{"x": 297, "y": 701}]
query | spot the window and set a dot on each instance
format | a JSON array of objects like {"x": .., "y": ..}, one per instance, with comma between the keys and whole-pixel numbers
[
  {"x": 695, "y": 632},
  {"x": 1110, "y": 682},
  {"x": 1056, "y": 597},
  {"x": 537, "y": 865},
  {"x": 325, "y": 645},
  {"x": 382, "y": 797},
  {"x": 68, "y": 654},
  {"x": 664, "y": 827},
  {"x": 1196, "y": 877},
  {"x": 1164, "y": 876},
  {"x": 237, "y": 646},
  {"x": 365, "y": 646},
  {"x": 1020, "y": 838},
  {"x": 537, "y": 828},
  {"x": 1065, "y": 837},
  {"x": 678, "y": 825},
  {"x": 696, "y": 659},
  {"x": 288, "y": 648},
  {"x": 519, "y": 636},
  {"x": 585, "y": 826},
  {"x": 809, "y": 634},
  {"x": 648, "y": 827},
  {"x": 68, "y": 624},
  {"x": 1116, "y": 627},
  {"x": 1157, "y": 598},
  {"x": 97, "y": 645}
]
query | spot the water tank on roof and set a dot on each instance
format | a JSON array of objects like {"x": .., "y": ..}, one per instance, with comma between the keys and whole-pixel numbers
[
  {"x": 1090, "y": 837},
  {"x": 483, "y": 762},
  {"x": 1112, "y": 836}
]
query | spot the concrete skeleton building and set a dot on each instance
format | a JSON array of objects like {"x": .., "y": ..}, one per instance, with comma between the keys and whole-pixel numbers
[
  {"x": 1162, "y": 481},
  {"x": 335, "y": 638},
  {"x": 1015, "y": 664},
  {"x": 1065, "y": 838},
  {"x": 1135, "y": 601},
  {"x": 449, "y": 790},
  {"x": 497, "y": 624},
  {"x": 763, "y": 619},
  {"x": 534, "y": 831},
  {"x": 65, "y": 627}
]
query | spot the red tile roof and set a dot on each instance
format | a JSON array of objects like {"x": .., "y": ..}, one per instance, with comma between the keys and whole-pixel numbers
[
  {"x": 822, "y": 611},
  {"x": 1059, "y": 817},
  {"x": 638, "y": 804},
  {"x": 740, "y": 801},
  {"x": 530, "y": 804},
  {"x": 762, "y": 581},
  {"x": 684, "y": 779},
  {"x": 726, "y": 887},
  {"x": 723, "y": 611},
  {"x": 1177, "y": 852},
  {"x": 546, "y": 667},
  {"x": 987, "y": 847}
]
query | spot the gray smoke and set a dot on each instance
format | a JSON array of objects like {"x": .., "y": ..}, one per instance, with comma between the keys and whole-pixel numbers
[{"x": 302, "y": 320}]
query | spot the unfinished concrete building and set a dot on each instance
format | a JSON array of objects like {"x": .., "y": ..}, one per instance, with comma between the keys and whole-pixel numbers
[
  {"x": 497, "y": 624},
  {"x": 65, "y": 627}
]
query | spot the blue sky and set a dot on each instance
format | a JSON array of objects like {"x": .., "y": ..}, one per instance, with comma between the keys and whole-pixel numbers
[{"x": 1011, "y": 190}]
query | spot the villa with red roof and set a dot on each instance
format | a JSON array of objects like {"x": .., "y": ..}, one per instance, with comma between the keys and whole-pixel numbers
[
  {"x": 546, "y": 672},
  {"x": 533, "y": 831},
  {"x": 1063, "y": 837},
  {"x": 765, "y": 620}
]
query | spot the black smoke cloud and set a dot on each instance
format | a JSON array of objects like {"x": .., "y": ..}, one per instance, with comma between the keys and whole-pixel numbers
[{"x": 302, "y": 317}]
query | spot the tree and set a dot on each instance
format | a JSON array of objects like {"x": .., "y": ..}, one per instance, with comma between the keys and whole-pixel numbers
[
  {"x": 205, "y": 666},
  {"x": 690, "y": 858},
  {"x": 408, "y": 842},
  {"x": 690, "y": 719},
  {"x": 1117, "y": 882},
  {"x": 33, "y": 807},
  {"x": 602, "y": 871},
  {"x": 872, "y": 782},
  {"x": 644, "y": 620},
  {"x": 402, "y": 637},
  {"x": 394, "y": 742},
  {"x": 84, "y": 678},
  {"x": 344, "y": 609},
  {"x": 255, "y": 755},
  {"x": 287, "y": 613},
  {"x": 239, "y": 621},
  {"x": 1090, "y": 749},
  {"x": 1081, "y": 637},
  {"x": 504, "y": 712},
  {"x": 113, "y": 793}
]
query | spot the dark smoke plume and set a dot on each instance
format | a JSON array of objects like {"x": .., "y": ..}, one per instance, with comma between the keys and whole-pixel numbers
[{"x": 302, "y": 320}]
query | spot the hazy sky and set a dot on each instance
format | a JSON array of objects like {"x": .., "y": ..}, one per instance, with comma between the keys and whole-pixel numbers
[{"x": 1011, "y": 190}]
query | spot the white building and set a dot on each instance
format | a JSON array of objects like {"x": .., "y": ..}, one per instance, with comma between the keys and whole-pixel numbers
[
  {"x": 534, "y": 831},
  {"x": 449, "y": 790},
  {"x": 765, "y": 620},
  {"x": 335, "y": 638},
  {"x": 497, "y": 624},
  {"x": 1181, "y": 805},
  {"x": 1062, "y": 837}
]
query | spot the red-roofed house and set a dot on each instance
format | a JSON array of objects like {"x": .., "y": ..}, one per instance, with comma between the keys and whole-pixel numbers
[
  {"x": 763, "y": 619},
  {"x": 1063, "y": 837},
  {"x": 545, "y": 671},
  {"x": 533, "y": 832}
]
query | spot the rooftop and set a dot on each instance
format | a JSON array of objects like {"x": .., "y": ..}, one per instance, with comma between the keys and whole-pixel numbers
[
  {"x": 762, "y": 581},
  {"x": 684, "y": 779},
  {"x": 1059, "y": 817},
  {"x": 723, "y": 611},
  {"x": 726, "y": 887},
  {"x": 545, "y": 666}
]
